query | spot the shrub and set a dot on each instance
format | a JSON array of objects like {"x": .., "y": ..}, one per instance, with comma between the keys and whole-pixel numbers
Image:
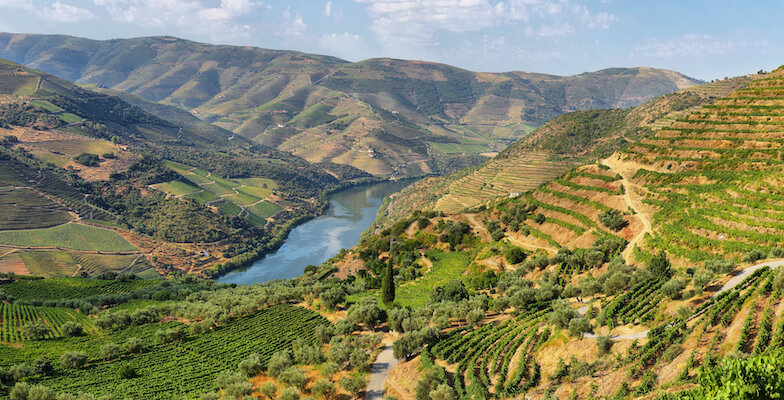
[
  {"x": 110, "y": 351},
  {"x": 754, "y": 255},
  {"x": 673, "y": 288},
  {"x": 127, "y": 371},
  {"x": 133, "y": 345},
  {"x": 613, "y": 219},
  {"x": 515, "y": 255},
  {"x": 72, "y": 329},
  {"x": 604, "y": 344},
  {"x": 87, "y": 159},
  {"x": 35, "y": 330},
  {"x": 251, "y": 366},
  {"x": 578, "y": 326},
  {"x": 279, "y": 362},
  {"x": 540, "y": 218},
  {"x": 73, "y": 360}
]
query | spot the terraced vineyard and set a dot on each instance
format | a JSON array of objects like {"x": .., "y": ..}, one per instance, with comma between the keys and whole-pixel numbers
[
  {"x": 572, "y": 205},
  {"x": 51, "y": 289},
  {"x": 501, "y": 178},
  {"x": 713, "y": 177},
  {"x": 15, "y": 316},
  {"x": 495, "y": 359},
  {"x": 246, "y": 197},
  {"x": 173, "y": 370}
]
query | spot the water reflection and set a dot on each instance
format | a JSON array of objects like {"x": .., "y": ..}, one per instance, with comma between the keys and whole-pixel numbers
[{"x": 350, "y": 212}]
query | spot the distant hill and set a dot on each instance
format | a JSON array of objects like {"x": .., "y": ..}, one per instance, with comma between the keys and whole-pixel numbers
[
  {"x": 385, "y": 116},
  {"x": 564, "y": 142}
]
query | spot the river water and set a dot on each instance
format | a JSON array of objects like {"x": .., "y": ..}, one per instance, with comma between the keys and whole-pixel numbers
[{"x": 350, "y": 213}]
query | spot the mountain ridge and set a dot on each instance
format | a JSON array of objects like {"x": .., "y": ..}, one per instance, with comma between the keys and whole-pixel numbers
[{"x": 385, "y": 116}]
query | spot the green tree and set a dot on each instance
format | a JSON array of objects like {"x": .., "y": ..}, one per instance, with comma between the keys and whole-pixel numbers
[
  {"x": 73, "y": 359},
  {"x": 269, "y": 389},
  {"x": 324, "y": 388},
  {"x": 352, "y": 384},
  {"x": 659, "y": 266},
  {"x": 388, "y": 284},
  {"x": 35, "y": 330}
]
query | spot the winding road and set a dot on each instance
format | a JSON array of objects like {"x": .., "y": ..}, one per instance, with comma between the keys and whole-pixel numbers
[
  {"x": 629, "y": 186},
  {"x": 379, "y": 370}
]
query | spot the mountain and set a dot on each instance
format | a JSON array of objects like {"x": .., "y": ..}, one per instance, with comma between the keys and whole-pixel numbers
[
  {"x": 88, "y": 174},
  {"x": 562, "y": 143},
  {"x": 384, "y": 116}
]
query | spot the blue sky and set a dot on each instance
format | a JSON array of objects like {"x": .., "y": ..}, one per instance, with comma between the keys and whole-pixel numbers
[{"x": 703, "y": 39}]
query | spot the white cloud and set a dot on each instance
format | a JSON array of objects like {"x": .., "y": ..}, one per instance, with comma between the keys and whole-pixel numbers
[
  {"x": 228, "y": 9},
  {"x": 20, "y": 4},
  {"x": 291, "y": 25},
  {"x": 328, "y": 9},
  {"x": 405, "y": 23},
  {"x": 60, "y": 12},
  {"x": 695, "y": 45},
  {"x": 344, "y": 45}
]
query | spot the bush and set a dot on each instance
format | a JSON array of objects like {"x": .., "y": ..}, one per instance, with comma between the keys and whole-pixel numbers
[
  {"x": 87, "y": 159},
  {"x": 673, "y": 288},
  {"x": 72, "y": 329},
  {"x": 110, "y": 351},
  {"x": 604, "y": 344},
  {"x": 754, "y": 255},
  {"x": 613, "y": 219},
  {"x": 578, "y": 326},
  {"x": 35, "y": 330},
  {"x": 42, "y": 366},
  {"x": 251, "y": 366},
  {"x": 540, "y": 218},
  {"x": 279, "y": 362},
  {"x": 515, "y": 255},
  {"x": 454, "y": 290},
  {"x": 73, "y": 360},
  {"x": 127, "y": 371},
  {"x": 133, "y": 345}
]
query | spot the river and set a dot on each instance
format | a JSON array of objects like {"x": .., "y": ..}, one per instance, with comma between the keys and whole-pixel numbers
[{"x": 350, "y": 213}]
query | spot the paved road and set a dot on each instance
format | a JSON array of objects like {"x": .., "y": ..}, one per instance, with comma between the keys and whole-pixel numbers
[
  {"x": 734, "y": 281},
  {"x": 379, "y": 371}
]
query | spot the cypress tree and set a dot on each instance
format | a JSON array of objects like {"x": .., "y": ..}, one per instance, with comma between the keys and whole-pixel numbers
[{"x": 388, "y": 285}]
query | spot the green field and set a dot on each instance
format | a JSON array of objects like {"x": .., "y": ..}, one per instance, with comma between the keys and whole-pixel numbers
[
  {"x": 265, "y": 209},
  {"x": 47, "y": 105},
  {"x": 172, "y": 370},
  {"x": 416, "y": 294},
  {"x": 446, "y": 267},
  {"x": 26, "y": 209},
  {"x": 177, "y": 188},
  {"x": 72, "y": 288},
  {"x": 459, "y": 148},
  {"x": 242, "y": 193},
  {"x": 14, "y": 316},
  {"x": 72, "y": 236},
  {"x": 65, "y": 263}
]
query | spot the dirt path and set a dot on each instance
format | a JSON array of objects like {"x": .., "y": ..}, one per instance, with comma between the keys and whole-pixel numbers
[
  {"x": 379, "y": 371},
  {"x": 731, "y": 284},
  {"x": 530, "y": 246},
  {"x": 632, "y": 200}
]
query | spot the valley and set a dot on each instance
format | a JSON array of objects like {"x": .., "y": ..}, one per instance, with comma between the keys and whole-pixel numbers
[{"x": 195, "y": 221}]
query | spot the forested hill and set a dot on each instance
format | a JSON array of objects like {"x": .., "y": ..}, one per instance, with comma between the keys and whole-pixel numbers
[{"x": 383, "y": 116}]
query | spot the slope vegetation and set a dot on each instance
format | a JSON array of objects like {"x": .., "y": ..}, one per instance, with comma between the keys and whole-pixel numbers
[{"x": 564, "y": 142}]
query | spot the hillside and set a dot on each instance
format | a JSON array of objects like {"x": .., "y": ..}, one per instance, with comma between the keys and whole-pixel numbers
[
  {"x": 92, "y": 183},
  {"x": 550, "y": 150},
  {"x": 384, "y": 116},
  {"x": 653, "y": 271}
]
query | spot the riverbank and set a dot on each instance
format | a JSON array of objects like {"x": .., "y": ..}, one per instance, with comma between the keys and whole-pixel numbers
[{"x": 311, "y": 242}]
